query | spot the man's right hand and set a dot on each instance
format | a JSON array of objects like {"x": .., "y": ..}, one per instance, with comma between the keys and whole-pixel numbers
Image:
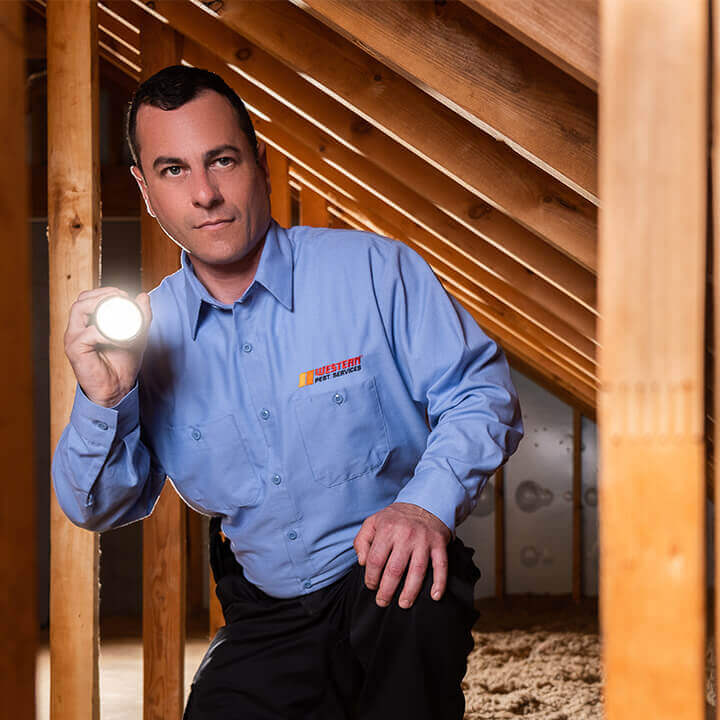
[{"x": 106, "y": 371}]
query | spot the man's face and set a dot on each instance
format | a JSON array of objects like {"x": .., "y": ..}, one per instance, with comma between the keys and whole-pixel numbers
[{"x": 198, "y": 167}]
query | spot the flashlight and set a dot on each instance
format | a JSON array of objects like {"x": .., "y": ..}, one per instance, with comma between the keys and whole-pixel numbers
[{"x": 118, "y": 318}]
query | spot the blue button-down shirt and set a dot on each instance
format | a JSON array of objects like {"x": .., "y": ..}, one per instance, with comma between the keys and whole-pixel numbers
[{"x": 300, "y": 409}]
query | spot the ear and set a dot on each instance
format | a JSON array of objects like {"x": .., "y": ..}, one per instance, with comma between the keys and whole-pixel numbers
[
  {"x": 135, "y": 172},
  {"x": 263, "y": 163}
]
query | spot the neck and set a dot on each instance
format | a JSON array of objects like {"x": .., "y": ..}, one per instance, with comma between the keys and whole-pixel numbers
[{"x": 227, "y": 283}]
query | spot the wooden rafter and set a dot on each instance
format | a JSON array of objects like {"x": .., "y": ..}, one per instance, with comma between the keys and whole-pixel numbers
[
  {"x": 489, "y": 169},
  {"x": 565, "y": 33},
  {"x": 510, "y": 187},
  {"x": 479, "y": 71}
]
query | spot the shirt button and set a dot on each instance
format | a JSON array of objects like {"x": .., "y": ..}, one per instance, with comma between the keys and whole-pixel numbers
[
  {"x": 102, "y": 425},
  {"x": 338, "y": 398},
  {"x": 292, "y": 535},
  {"x": 276, "y": 479},
  {"x": 264, "y": 413},
  {"x": 307, "y": 584},
  {"x": 247, "y": 347},
  {"x": 196, "y": 434}
]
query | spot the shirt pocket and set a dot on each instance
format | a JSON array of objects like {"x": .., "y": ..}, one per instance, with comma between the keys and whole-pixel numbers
[
  {"x": 209, "y": 465},
  {"x": 343, "y": 430}
]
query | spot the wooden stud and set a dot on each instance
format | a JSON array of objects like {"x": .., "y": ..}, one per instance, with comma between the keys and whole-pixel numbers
[
  {"x": 280, "y": 200},
  {"x": 455, "y": 147},
  {"x": 500, "y": 534},
  {"x": 164, "y": 532},
  {"x": 653, "y": 182},
  {"x": 313, "y": 208},
  {"x": 18, "y": 603},
  {"x": 74, "y": 265},
  {"x": 577, "y": 563},
  {"x": 564, "y": 33}
]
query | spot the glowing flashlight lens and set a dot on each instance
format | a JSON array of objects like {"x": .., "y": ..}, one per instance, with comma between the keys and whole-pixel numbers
[{"x": 118, "y": 318}]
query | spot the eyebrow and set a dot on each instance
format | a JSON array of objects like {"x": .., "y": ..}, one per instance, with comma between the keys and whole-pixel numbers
[{"x": 209, "y": 155}]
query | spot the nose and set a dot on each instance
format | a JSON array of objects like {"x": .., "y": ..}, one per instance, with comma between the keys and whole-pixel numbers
[{"x": 205, "y": 192}]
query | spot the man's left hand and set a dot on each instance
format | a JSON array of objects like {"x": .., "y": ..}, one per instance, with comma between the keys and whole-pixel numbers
[{"x": 403, "y": 536}]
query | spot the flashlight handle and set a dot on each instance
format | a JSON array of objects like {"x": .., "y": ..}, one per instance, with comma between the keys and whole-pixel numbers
[{"x": 105, "y": 371}]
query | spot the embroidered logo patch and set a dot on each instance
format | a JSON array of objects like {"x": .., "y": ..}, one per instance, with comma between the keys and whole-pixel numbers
[{"x": 310, "y": 377}]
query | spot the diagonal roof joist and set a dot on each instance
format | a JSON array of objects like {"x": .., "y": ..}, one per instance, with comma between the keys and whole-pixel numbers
[
  {"x": 511, "y": 186},
  {"x": 480, "y": 72},
  {"x": 482, "y": 165},
  {"x": 565, "y": 33},
  {"x": 447, "y": 232}
]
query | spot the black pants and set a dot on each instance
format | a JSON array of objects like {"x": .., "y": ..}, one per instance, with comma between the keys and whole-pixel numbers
[{"x": 334, "y": 654}]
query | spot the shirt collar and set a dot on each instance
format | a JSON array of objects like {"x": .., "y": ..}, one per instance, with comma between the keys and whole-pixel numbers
[{"x": 274, "y": 273}]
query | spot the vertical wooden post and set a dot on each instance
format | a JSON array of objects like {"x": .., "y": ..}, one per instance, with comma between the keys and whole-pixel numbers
[
  {"x": 500, "y": 534},
  {"x": 17, "y": 509},
  {"x": 577, "y": 565},
  {"x": 313, "y": 208},
  {"x": 74, "y": 265},
  {"x": 651, "y": 282},
  {"x": 279, "y": 187},
  {"x": 196, "y": 547},
  {"x": 164, "y": 532}
]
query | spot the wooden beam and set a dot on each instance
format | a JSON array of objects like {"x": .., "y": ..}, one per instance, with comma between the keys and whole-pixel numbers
[
  {"x": 448, "y": 231},
  {"x": 392, "y": 106},
  {"x": 577, "y": 557},
  {"x": 480, "y": 72},
  {"x": 545, "y": 353},
  {"x": 280, "y": 200},
  {"x": 164, "y": 532},
  {"x": 18, "y": 534},
  {"x": 500, "y": 534},
  {"x": 313, "y": 208},
  {"x": 564, "y": 33},
  {"x": 653, "y": 181},
  {"x": 74, "y": 222}
]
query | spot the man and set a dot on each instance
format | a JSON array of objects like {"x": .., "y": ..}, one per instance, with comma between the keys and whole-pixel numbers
[{"x": 283, "y": 385}]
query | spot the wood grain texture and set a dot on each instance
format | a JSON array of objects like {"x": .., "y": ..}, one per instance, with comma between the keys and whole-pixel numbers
[
  {"x": 500, "y": 534},
  {"x": 313, "y": 208},
  {"x": 18, "y": 534},
  {"x": 280, "y": 200},
  {"x": 653, "y": 181},
  {"x": 389, "y": 103},
  {"x": 164, "y": 532},
  {"x": 516, "y": 189},
  {"x": 577, "y": 547},
  {"x": 565, "y": 33},
  {"x": 481, "y": 72},
  {"x": 74, "y": 265}
]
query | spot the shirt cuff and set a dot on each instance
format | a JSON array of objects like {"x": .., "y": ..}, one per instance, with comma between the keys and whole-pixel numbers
[
  {"x": 439, "y": 495},
  {"x": 98, "y": 425}
]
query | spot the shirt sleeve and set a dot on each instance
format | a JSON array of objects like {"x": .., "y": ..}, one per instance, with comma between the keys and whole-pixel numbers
[
  {"x": 103, "y": 474},
  {"x": 462, "y": 378}
]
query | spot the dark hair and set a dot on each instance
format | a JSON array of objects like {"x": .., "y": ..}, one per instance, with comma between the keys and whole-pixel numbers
[{"x": 172, "y": 87}]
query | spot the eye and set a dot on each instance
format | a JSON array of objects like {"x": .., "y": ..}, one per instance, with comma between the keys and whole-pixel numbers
[
  {"x": 171, "y": 167},
  {"x": 225, "y": 157}
]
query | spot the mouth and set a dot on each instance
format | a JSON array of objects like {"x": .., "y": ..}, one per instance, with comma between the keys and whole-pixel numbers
[{"x": 214, "y": 224}]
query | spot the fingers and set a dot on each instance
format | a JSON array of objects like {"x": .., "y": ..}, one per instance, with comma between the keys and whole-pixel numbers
[
  {"x": 440, "y": 571},
  {"x": 392, "y": 574},
  {"x": 414, "y": 580},
  {"x": 376, "y": 559},
  {"x": 364, "y": 539}
]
